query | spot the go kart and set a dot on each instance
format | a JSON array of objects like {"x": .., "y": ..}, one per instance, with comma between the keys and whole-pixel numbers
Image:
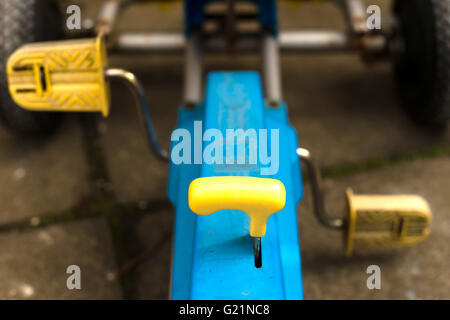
[{"x": 235, "y": 176}]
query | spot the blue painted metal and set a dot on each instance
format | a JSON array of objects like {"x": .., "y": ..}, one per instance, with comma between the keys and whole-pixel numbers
[
  {"x": 194, "y": 14},
  {"x": 213, "y": 255}
]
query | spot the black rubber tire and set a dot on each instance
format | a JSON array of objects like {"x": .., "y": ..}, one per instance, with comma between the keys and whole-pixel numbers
[
  {"x": 23, "y": 21},
  {"x": 422, "y": 70}
]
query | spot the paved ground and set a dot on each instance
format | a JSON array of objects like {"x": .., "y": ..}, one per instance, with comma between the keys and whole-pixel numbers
[{"x": 93, "y": 195}]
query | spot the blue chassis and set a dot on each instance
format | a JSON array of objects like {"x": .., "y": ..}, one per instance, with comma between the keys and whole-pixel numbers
[{"x": 213, "y": 255}]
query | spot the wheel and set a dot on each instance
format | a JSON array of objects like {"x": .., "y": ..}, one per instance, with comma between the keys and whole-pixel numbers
[
  {"x": 23, "y": 21},
  {"x": 422, "y": 68}
]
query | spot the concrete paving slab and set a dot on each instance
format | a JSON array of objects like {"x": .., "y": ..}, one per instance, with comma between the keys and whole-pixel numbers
[
  {"x": 33, "y": 263},
  {"x": 344, "y": 112},
  {"x": 41, "y": 176},
  {"x": 419, "y": 272},
  {"x": 153, "y": 276},
  {"x": 311, "y": 15},
  {"x": 138, "y": 16}
]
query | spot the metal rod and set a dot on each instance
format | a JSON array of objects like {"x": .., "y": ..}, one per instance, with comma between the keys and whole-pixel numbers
[
  {"x": 287, "y": 41},
  {"x": 107, "y": 16},
  {"x": 257, "y": 252},
  {"x": 313, "y": 41},
  {"x": 355, "y": 14},
  {"x": 271, "y": 69},
  {"x": 193, "y": 70},
  {"x": 143, "y": 108},
  {"x": 153, "y": 42},
  {"x": 318, "y": 194}
]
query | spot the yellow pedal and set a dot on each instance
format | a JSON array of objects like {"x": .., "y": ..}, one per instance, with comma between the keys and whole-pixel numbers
[
  {"x": 258, "y": 197},
  {"x": 385, "y": 221},
  {"x": 60, "y": 76}
]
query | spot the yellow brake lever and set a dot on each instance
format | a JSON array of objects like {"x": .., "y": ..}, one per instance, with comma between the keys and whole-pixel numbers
[{"x": 258, "y": 197}]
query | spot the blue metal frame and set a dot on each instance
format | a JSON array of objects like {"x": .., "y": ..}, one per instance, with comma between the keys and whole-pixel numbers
[
  {"x": 194, "y": 14},
  {"x": 213, "y": 255}
]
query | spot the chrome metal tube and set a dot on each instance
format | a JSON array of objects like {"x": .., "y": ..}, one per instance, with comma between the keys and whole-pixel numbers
[
  {"x": 107, "y": 15},
  {"x": 355, "y": 14},
  {"x": 271, "y": 69},
  {"x": 287, "y": 41},
  {"x": 193, "y": 70},
  {"x": 143, "y": 108},
  {"x": 312, "y": 41},
  {"x": 153, "y": 42}
]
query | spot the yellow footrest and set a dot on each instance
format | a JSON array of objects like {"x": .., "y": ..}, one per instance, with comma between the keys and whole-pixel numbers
[
  {"x": 60, "y": 76},
  {"x": 385, "y": 221}
]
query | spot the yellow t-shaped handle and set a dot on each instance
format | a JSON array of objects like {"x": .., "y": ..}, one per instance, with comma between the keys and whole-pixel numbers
[{"x": 258, "y": 197}]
